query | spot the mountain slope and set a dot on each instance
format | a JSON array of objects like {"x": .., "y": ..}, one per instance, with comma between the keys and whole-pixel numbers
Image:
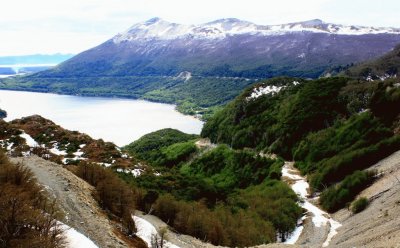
[
  {"x": 229, "y": 47},
  {"x": 201, "y": 66},
  {"x": 332, "y": 128},
  {"x": 384, "y": 67}
]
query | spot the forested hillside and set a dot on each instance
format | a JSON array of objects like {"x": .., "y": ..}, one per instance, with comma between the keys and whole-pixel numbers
[
  {"x": 333, "y": 128},
  {"x": 239, "y": 190}
]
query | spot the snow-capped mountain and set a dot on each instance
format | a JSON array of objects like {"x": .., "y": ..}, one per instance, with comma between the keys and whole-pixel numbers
[
  {"x": 209, "y": 64},
  {"x": 229, "y": 48},
  {"x": 157, "y": 28}
]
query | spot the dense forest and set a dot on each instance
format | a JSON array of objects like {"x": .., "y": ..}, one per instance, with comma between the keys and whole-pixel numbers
[{"x": 239, "y": 189}]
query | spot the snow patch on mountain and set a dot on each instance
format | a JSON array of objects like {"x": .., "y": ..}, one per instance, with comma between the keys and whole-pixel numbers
[
  {"x": 157, "y": 28},
  {"x": 264, "y": 90},
  {"x": 267, "y": 89},
  {"x": 319, "y": 217},
  {"x": 147, "y": 232},
  {"x": 75, "y": 239},
  {"x": 29, "y": 140},
  {"x": 185, "y": 75}
]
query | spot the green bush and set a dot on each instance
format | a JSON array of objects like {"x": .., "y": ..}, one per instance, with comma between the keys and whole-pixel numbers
[
  {"x": 359, "y": 205},
  {"x": 339, "y": 166},
  {"x": 175, "y": 154},
  {"x": 358, "y": 131},
  {"x": 148, "y": 146},
  {"x": 336, "y": 196},
  {"x": 250, "y": 217},
  {"x": 225, "y": 169}
]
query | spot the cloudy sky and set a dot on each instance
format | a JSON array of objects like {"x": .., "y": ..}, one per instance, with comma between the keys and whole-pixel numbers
[{"x": 72, "y": 26}]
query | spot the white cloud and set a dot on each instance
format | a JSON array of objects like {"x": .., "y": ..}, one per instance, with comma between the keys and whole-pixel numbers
[{"x": 46, "y": 26}]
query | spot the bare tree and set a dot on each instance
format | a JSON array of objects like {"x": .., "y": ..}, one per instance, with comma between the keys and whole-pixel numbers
[{"x": 158, "y": 239}]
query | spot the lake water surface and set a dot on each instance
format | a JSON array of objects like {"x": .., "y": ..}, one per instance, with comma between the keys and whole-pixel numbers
[{"x": 112, "y": 119}]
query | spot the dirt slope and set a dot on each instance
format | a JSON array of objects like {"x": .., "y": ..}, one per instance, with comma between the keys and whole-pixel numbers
[
  {"x": 74, "y": 197},
  {"x": 379, "y": 224}
]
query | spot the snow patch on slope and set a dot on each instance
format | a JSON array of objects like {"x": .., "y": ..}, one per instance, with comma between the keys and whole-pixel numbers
[
  {"x": 319, "y": 217},
  {"x": 145, "y": 230},
  {"x": 76, "y": 239},
  {"x": 265, "y": 90},
  {"x": 29, "y": 140}
]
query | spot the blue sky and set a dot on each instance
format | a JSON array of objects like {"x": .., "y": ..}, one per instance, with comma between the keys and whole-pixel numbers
[{"x": 72, "y": 26}]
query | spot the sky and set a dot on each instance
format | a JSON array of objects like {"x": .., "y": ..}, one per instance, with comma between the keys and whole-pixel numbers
[{"x": 72, "y": 26}]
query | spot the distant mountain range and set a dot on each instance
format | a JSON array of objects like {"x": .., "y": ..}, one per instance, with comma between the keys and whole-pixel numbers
[
  {"x": 218, "y": 59},
  {"x": 35, "y": 59},
  {"x": 10, "y": 65}
]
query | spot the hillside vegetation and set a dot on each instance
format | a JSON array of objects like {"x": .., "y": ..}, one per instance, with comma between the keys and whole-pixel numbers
[
  {"x": 238, "y": 189},
  {"x": 28, "y": 216},
  {"x": 331, "y": 127},
  {"x": 153, "y": 147}
]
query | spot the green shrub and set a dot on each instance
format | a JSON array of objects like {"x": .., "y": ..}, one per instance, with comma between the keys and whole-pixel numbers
[
  {"x": 148, "y": 147},
  {"x": 339, "y": 166},
  {"x": 226, "y": 169},
  {"x": 354, "y": 133},
  {"x": 359, "y": 205},
  {"x": 279, "y": 121},
  {"x": 175, "y": 154},
  {"x": 336, "y": 196}
]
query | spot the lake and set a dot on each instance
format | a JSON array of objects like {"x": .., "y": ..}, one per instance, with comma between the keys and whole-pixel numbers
[{"x": 113, "y": 119}]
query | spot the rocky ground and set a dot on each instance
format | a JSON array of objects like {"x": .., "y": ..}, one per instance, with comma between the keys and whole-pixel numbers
[{"x": 74, "y": 197}]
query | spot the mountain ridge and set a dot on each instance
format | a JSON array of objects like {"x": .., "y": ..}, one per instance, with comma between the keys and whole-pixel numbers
[{"x": 157, "y": 28}]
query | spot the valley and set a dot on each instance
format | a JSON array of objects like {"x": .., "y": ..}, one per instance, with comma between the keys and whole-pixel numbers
[
  {"x": 218, "y": 134},
  {"x": 226, "y": 173},
  {"x": 316, "y": 230}
]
